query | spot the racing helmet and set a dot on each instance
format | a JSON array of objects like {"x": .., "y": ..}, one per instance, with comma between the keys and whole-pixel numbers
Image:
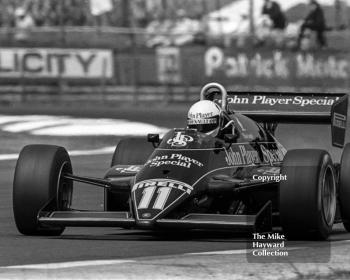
[{"x": 205, "y": 116}]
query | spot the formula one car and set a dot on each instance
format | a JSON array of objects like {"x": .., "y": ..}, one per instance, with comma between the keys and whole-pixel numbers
[{"x": 243, "y": 182}]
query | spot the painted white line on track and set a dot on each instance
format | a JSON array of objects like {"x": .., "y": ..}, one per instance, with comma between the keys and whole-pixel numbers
[
  {"x": 228, "y": 252},
  {"x": 8, "y": 157},
  {"x": 9, "y": 119},
  {"x": 234, "y": 252},
  {"x": 32, "y": 125},
  {"x": 73, "y": 264},
  {"x": 102, "y": 151},
  {"x": 340, "y": 241},
  {"x": 71, "y": 126}
]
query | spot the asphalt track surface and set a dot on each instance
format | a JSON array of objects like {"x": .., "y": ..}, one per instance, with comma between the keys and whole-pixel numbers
[{"x": 81, "y": 244}]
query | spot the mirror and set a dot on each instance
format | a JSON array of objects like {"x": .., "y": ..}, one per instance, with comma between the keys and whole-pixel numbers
[{"x": 153, "y": 138}]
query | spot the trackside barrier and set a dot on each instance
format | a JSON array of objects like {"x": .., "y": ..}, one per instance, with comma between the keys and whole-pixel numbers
[{"x": 169, "y": 71}]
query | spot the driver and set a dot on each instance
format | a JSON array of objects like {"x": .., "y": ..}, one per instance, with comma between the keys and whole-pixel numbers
[{"x": 207, "y": 117}]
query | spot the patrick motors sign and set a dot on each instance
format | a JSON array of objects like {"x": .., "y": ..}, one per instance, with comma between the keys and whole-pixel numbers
[
  {"x": 277, "y": 68},
  {"x": 53, "y": 63},
  {"x": 275, "y": 65}
]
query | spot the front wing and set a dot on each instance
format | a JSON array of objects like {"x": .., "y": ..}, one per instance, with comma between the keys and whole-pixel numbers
[{"x": 262, "y": 222}]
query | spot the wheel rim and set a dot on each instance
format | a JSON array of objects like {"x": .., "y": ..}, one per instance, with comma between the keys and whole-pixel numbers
[
  {"x": 64, "y": 189},
  {"x": 328, "y": 197}
]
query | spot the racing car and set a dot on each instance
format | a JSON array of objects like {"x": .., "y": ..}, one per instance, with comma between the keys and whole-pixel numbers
[{"x": 245, "y": 181}]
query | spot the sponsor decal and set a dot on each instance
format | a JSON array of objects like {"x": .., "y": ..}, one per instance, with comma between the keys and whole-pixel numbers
[
  {"x": 157, "y": 194},
  {"x": 180, "y": 140},
  {"x": 301, "y": 101},
  {"x": 339, "y": 120},
  {"x": 202, "y": 121},
  {"x": 175, "y": 160},
  {"x": 275, "y": 65},
  {"x": 169, "y": 65},
  {"x": 55, "y": 62},
  {"x": 244, "y": 155},
  {"x": 241, "y": 65},
  {"x": 200, "y": 115},
  {"x": 325, "y": 67},
  {"x": 273, "y": 155},
  {"x": 129, "y": 169},
  {"x": 163, "y": 183}
]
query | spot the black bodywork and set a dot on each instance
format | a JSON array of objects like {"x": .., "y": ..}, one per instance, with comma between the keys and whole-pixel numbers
[{"x": 195, "y": 181}]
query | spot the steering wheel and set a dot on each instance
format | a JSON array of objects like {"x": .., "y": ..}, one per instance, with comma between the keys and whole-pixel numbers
[{"x": 205, "y": 93}]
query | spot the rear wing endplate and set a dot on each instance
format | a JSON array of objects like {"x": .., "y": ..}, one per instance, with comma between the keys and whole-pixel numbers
[{"x": 309, "y": 108}]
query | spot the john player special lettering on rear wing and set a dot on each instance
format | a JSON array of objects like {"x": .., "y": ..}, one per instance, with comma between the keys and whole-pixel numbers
[{"x": 294, "y": 108}]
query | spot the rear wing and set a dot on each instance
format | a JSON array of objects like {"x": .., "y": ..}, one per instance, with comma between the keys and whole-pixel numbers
[{"x": 294, "y": 108}]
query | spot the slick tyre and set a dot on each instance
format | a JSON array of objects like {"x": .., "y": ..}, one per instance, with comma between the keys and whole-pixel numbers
[
  {"x": 38, "y": 183},
  {"x": 131, "y": 151},
  {"x": 307, "y": 199},
  {"x": 344, "y": 187}
]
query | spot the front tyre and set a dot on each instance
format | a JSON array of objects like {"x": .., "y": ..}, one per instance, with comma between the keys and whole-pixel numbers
[
  {"x": 130, "y": 151},
  {"x": 307, "y": 198},
  {"x": 38, "y": 182}
]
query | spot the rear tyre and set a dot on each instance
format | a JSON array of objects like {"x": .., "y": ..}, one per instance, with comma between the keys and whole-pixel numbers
[
  {"x": 38, "y": 182},
  {"x": 344, "y": 187},
  {"x": 131, "y": 151},
  {"x": 307, "y": 199},
  {"x": 346, "y": 226}
]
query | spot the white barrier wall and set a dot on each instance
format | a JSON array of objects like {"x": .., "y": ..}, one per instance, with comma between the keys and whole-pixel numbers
[{"x": 54, "y": 62}]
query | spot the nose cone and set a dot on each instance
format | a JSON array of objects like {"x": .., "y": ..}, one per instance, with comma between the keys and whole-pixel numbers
[{"x": 153, "y": 199}]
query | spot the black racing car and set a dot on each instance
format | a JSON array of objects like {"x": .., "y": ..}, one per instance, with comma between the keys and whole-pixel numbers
[{"x": 246, "y": 181}]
